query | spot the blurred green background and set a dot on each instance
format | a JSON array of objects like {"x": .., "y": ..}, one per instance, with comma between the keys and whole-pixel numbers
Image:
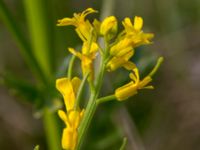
[{"x": 167, "y": 118}]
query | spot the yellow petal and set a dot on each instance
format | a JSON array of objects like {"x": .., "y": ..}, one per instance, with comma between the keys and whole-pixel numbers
[
  {"x": 122, "y": 44},
  {"x": 87, "y": 66},
  {"x": 66, "y": 22},
  {"x": 74, "y": 139},
  {"x": 145, "y": 81},
  {"x": 126, "y": 91},
  {"x": 88, "y": 49},
  {"x": 125, "y": 51},
  {"x": 74, "y": 52},
  {"x": 128, "y": 55},
  {"x": 81, "y": 35},
  {"x": 67, "y": 141},
  {"x": 138, "y": 23},
  {"x": 146, "y": 37},
  {"x": 94, "y": 47},
  {"x": 88, "y": 11},
  {"x": 76, "y": 83},
  {"x": 65, "y": 87},
  {"x": 96, "y": 25},
  {"x": 83, "y": 30},
  {"x": 127, "y": 25},
  {"x": 135, "y": 76},
  {"x": 115, "y": 63},
  {"x": 109, "y": 24},
  {"x": 62, "y": 85},
  {"x": 63, "y": 116},
  {"x": 74, "y": 118},
  {"x": 127, "y": 22},
  {"x": 129, "y": 65}
]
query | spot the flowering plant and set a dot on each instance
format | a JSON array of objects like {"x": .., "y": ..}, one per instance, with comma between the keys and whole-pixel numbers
[{"x": 116, "y": 52}]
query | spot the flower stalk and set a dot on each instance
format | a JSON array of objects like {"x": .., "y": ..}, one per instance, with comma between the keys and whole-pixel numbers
[
  {"x": 51, "y": 129},
  {"x": 92, "y": 105}
]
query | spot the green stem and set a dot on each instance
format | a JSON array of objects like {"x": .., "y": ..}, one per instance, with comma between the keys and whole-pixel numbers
[
  {"x": 123, "y": 146},
  {"x": 90, "y": 110},
  {"x": 51, "y": 130},
  {"x": 71, "y": 64},
  {"x": 91, "y": 106},
  {"x": 105, "y": 99},
  {"x": 80, "y": 91},
  {"x": 159, "y": 62}
]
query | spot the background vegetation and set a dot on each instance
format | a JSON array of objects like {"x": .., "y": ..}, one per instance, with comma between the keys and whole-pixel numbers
[{"x": 164, "y": 119}]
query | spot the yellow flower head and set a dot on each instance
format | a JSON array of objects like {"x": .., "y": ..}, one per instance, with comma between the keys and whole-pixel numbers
[
  {"x": 123, "y": 48},
  {"x": 133, "y": 86},
  {"x": 83, "y": 27},
  {"x": 134, "y": 31},
  {"x": 121, "y": 52},
  {"x": 136, "y": 84},
  {"x": 89, "y": 52}
]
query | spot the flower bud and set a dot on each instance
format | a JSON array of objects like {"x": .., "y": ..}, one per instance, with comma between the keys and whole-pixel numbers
[{"x": 109, "y": 27}]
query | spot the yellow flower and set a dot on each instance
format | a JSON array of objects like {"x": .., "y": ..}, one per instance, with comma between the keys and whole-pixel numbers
[
  {"x": 134, "y": 31},
  {"x": 89, "y": 52},
  {"x": 68, "y": 88},
  {"x": 109, "y": 27},
  {"x": 121, "y": 52},
  {"x": 83, "y": 27},
  {"x": 70, "y": 133},
  {"x": 123, "y": 49},
  {"x": 133, "y": 86}
]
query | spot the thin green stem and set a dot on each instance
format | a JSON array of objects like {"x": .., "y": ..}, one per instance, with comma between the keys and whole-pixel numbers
[
  {"x": 105, "y": 99},
  {"x": 123, "y": 146},
  {"x": 92, "y": 88},
  {"x": 80, "y": 91},
  {"x": 71, "y": 65},
  {"x": 100, "y": 77},
  {"x": 91, "y": 106},
  {"x": 90, "y": 110},
  {"x": 159, "y": 62},
  {"x": 51, "y": 130}
]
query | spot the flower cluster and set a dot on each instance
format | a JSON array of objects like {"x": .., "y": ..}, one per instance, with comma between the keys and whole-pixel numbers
[{"x": 116, "y": 52}]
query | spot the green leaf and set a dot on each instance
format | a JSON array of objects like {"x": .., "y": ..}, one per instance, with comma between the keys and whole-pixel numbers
[
  {"x": 24, "y": 45},
  {"x": 40, "y": 35}
]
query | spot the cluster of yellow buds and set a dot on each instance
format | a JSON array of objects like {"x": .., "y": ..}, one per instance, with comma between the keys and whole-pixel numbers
[
  {"x": 116, "y": 52},
  {"x": 123, "y": 49}
]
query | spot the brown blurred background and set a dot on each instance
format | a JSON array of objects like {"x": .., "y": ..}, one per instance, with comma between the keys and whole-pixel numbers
[{"x": 167, "y": 118}]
